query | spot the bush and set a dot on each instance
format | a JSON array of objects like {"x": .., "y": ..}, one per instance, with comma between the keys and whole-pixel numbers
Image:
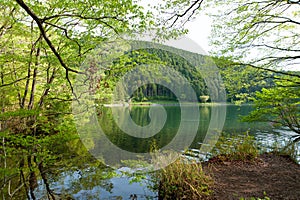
[
  {"x": 204, "y": 99},
  {"x": 182, "y": 180}
]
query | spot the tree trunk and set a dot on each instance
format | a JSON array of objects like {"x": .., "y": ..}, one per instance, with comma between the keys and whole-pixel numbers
[{"x": 33, "y": 86}]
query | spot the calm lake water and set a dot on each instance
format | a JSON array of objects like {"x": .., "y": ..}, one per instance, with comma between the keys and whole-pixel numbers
[{"x": 88, "y": 183}]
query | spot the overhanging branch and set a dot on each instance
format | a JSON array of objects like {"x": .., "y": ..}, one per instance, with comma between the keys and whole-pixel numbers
[
  {"x": 270, "y": 70},
  {"x": 39, "y": 22},
  {"x": 43, "y": 32},
  {"x": 192, "y": 8}
]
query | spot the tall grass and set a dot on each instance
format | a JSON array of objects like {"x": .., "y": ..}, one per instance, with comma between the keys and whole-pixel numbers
[
  {"x": 241, "y": 147},
  {"x": 182, "y": 180},
  {"x": 185, "y": 179}
]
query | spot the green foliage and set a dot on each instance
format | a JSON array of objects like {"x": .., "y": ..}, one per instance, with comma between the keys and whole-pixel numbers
[
  {"x": 43, "y": 45},
  {"x": 241, "y": 81},
  {"x": 241, "y": 147},
  {"x": 279, "y": 105},
  {"x": 182, "y": 65},
  {"x": 262, "y": 33},
  {"x": 182, "y": 180},
  {"x": 256, "y": 43},
  {"x": 153, "y": 56},
  {"x": 22, "y": 113},
  {"x": 29, "y": 155}
]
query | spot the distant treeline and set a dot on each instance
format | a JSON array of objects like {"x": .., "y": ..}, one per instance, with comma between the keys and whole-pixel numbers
[
  {"x": 179, "y": 64},
  {"x": 241, "y": 82}
]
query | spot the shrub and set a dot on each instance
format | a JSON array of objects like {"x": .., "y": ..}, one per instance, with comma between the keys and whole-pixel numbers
[
  {"x": 204, "y": 99},
  {"x": 182, "y": 180}
]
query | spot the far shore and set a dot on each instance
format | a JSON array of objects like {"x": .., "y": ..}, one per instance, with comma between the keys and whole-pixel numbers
[{"x": 170, "y": 103}]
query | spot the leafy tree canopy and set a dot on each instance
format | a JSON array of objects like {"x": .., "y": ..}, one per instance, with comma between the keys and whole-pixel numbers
[{"x": 279, "y": 105}]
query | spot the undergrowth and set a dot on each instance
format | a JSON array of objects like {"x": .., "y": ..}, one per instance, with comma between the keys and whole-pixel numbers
[
  {"x": 240, "y": 147},
  {"x": 182, "y": 180}
]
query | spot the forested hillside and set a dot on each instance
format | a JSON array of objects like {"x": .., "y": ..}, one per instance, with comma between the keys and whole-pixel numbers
[{"x": 241, "y": 82}]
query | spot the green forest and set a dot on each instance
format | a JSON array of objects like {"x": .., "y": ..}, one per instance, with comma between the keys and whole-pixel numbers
[
  {"x": 55, "y": 53},
  {"x": 245, "y": 88}
]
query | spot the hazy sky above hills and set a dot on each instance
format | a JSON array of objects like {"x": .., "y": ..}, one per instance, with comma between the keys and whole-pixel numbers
[{"x": 199, "y": 31}]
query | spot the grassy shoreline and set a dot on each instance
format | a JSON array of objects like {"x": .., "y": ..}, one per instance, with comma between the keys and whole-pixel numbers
[{"x": 236, "y": 164}]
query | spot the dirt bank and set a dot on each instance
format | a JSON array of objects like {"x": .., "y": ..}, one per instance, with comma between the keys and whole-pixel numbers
[{"x": 276, "y": 176}]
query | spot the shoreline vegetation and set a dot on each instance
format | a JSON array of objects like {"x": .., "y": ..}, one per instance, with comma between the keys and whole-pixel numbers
[
  {"x": 269, "y": 176},
  {"x": 241, "y": 173}
]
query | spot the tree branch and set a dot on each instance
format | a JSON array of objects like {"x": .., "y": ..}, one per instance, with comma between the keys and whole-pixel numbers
[
  {"x": 191, "y": 7},
  {"x": 274, "y": 47},
  {"x": 278, "y": 58},
  {"x": 11, "y": 83},
  {"x": 269, "y": 70},
  {"x": 81, "y": 17},
  {"x": 39, "y": 22}
]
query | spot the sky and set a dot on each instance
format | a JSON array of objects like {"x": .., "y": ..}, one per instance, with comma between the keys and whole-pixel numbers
[
  {"x": 199, "y": 31},
  {"x": 199, "y": 28}
]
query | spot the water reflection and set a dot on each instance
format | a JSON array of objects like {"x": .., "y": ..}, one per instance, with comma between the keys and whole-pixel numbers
[
  {"x": 90, "y": 184},
  {"x": 82, "y": 177},
  {"x": 140, "y": 115}
]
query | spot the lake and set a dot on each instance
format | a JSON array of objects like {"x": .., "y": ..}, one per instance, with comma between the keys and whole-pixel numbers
[
  {"x": 232, "y": 125},
  {"x": 90, "y": 182}
]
